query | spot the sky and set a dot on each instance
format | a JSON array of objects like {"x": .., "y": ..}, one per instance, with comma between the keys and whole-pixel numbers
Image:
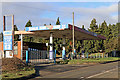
[{"x": 41, "y": 13}]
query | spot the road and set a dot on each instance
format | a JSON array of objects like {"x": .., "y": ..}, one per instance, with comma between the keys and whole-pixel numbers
[
  {"x": 109, "y": 70},
  {"x": 113, "y": 73}
]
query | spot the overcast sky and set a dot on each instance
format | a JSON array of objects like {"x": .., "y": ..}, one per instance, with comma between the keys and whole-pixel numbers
[{"x": 41, "y": 13}]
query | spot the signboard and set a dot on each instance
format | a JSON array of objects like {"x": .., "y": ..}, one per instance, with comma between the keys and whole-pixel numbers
[
  {"x": 7, "y": 40},
  {"x": 7, "y": 33},
  {"x": 48, "y": 27},
  {"x": 9, "y": 54}
]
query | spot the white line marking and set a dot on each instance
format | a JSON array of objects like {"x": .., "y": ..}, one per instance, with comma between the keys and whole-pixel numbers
[{"x": 101, "y": 73}]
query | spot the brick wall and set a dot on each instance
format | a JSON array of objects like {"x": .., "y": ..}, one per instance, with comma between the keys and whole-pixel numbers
[
  {"x": 18, "y": 55},
  {"x": 1, "y": 46},
  {"x": 19, "y": 49}
]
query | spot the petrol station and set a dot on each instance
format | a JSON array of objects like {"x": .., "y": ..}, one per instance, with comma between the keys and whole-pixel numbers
[{"x": 47, "y": 32}]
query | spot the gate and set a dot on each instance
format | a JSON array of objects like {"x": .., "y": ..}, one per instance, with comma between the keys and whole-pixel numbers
[{"x": 38, "y": 56}]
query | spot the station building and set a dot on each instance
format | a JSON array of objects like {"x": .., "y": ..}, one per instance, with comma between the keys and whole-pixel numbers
[{"x": 26, "y": 46}]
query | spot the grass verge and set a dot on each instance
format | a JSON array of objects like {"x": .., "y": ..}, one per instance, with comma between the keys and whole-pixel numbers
[
  {"x": 93, "y": 60},
  {"x": 17, "y": 74}
]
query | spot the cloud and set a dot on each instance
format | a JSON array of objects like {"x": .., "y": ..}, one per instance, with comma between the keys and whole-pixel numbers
[
  {"x": 27, "y": 11},
  {"x": 83, "y": 16},
  {"x": 45, "y": 13}
]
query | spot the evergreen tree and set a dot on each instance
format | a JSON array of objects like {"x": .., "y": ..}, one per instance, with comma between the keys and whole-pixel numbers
[
  {"x": 100, "y": 41},
  {"x": 44, "y": 24},
  {"x": 57, "y": 42},
  {"x": 29, "y": 24},
  {"x": 93, "y": 25},
  {"x": 27, "y": 38},
  {"x": 16, "y": 37},
  {"x": 83, "y": 27},
  {"x": 91, "y": 44},
  {"x": 58, "y": 21}
]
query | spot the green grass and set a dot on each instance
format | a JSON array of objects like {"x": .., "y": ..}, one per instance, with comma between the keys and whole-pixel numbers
[
  {"x": 62, "y": 62},
  {"x": 93, "y": 60},
  {"x": 17, "y": 74}
]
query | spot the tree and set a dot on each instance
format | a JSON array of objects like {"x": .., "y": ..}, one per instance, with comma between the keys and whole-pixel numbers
[
  {"x": 111, "y": 43},
  {"x": 58, "y": 21},
  {"x": 83, "y": 27},
  {"x": 16, "y": 37},
  {"x": 90, "y": 44},
  {"x": 44, "y": 24},
  {"x": 93, "y": 25},
  {"x": 27, "y": 38},
  {"x": 28, "y": 24}
]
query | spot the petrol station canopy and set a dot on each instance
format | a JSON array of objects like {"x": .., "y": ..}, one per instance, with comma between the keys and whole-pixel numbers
[{"x": 60, "y": 31}]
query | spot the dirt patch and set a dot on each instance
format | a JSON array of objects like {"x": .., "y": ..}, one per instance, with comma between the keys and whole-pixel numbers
[{"x": 10, "y": 64}]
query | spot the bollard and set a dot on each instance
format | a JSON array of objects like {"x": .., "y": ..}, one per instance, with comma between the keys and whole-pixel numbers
[
  {"x": 55, "y": 57},
  {"x": 87, "y": 55},
  {"x": 99, "y": 55},
  {"x": 27, "y": 57},
  {"x": 90, "y": 56},
  {"x": 102, "y": 55},
  {"x": 71, "y": 56},
  {"x": 114, "y": 53},
  {"x": 96, "y": 55}
]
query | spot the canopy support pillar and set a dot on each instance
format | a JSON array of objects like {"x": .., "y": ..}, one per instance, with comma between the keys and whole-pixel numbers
[{"x": 51, "y": 46}]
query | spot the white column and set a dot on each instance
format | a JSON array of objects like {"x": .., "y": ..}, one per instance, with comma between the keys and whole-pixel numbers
[
  {"x": 63, "y": 51},
  {"x": 51, "y": 47},
  {"x": 21, "y": 46}
]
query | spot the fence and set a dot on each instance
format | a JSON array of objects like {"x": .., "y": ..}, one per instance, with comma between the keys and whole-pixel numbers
[
  {"x": 38, "y": 56},
  {"x": 87, "y": 55}
]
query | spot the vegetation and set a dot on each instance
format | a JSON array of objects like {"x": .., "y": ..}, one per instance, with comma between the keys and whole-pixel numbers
[
  {"x": 93, "y": 60},
  {"x": 108, "y": 45},
  {"x": 16, "y": 37},
  {"x": 15, "y": 68},
  {"x": 27, "y": 38},
  {"x": 17, "y": 74},
  {"x": 58, "y": 21},
  {"x": 62, "y": 62},
  {"x": 28, "y": 24}
]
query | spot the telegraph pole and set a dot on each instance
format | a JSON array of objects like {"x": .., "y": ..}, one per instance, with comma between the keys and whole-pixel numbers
[{"x": 73, "y": 33}]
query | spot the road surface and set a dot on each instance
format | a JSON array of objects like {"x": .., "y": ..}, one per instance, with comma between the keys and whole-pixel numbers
[{"x": 109, "y": 70}]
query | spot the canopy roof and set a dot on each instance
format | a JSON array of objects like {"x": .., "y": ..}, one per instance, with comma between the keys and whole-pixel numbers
[{"x": 60, "y": 31}]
